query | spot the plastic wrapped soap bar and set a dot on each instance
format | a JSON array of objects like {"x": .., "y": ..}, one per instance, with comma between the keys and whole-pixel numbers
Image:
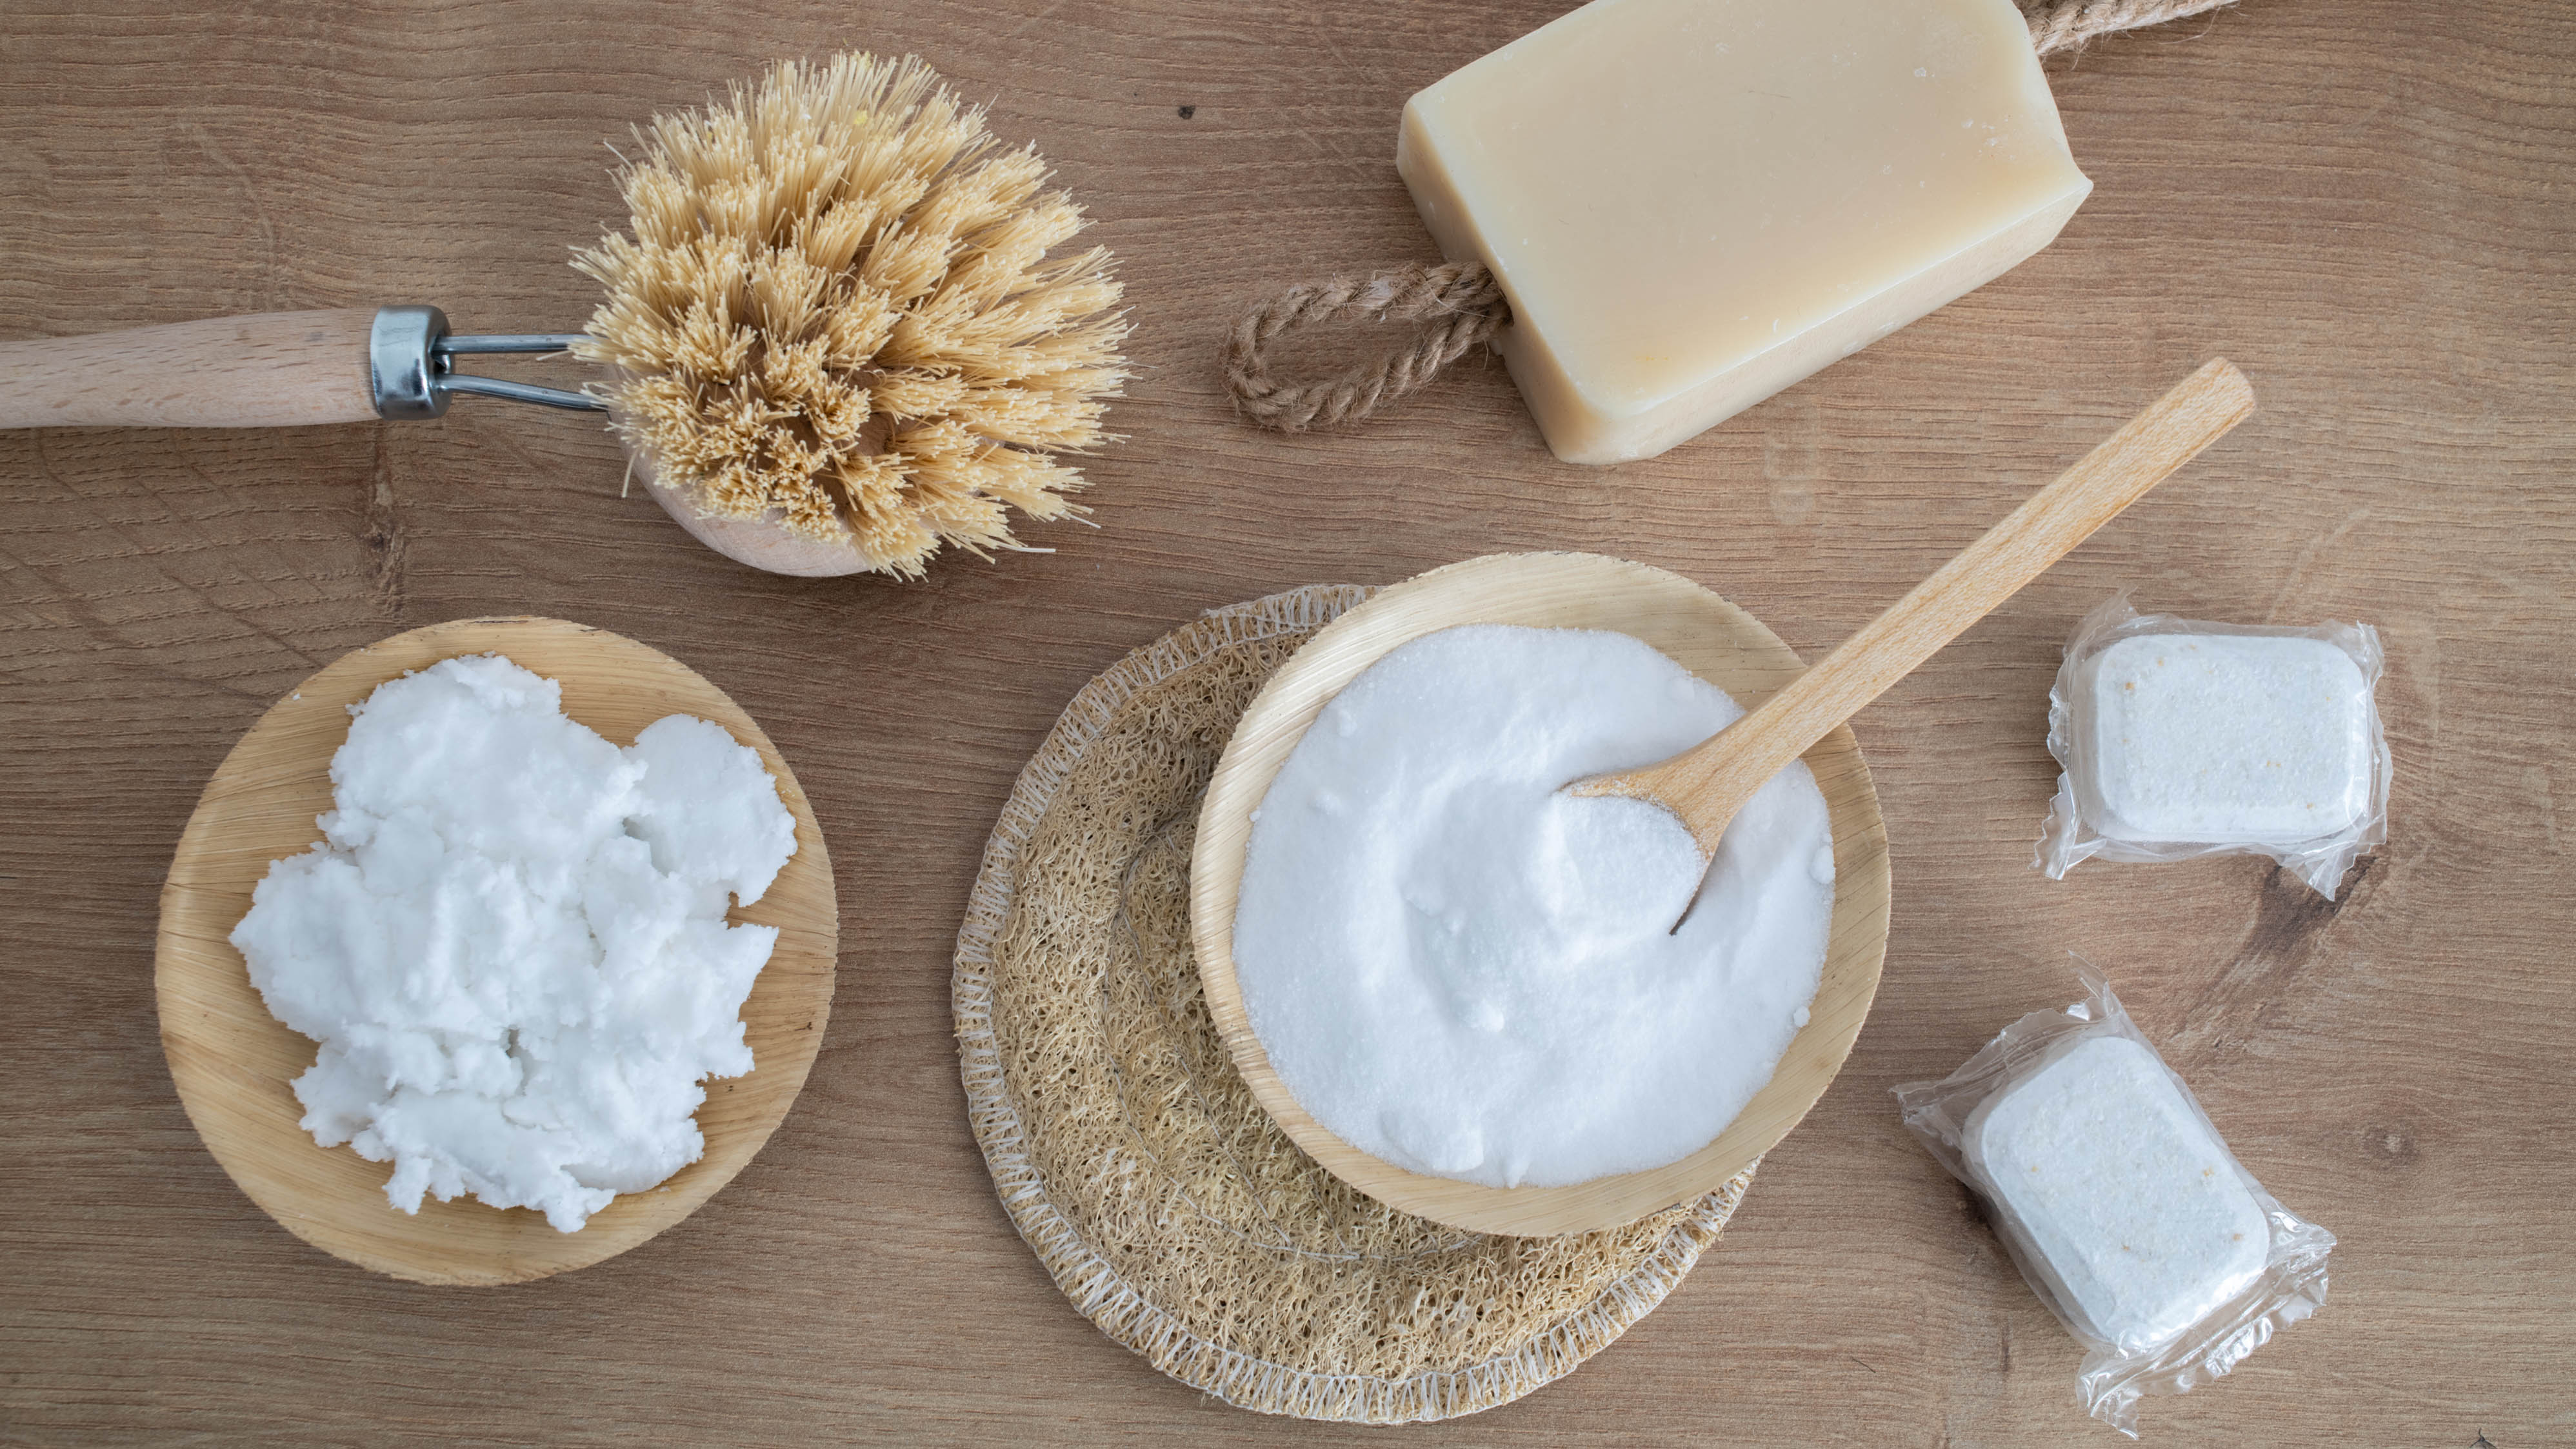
[
  {"x": 2142, "y": 1223},
  {"x": 2120, "y": 1202},
  {"x": 2178, "y": 738}
]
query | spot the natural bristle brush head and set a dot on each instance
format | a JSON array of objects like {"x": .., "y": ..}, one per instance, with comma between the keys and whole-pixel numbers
[{"x": 836, "y": 327}]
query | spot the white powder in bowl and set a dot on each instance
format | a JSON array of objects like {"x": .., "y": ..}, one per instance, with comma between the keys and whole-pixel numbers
[
  {"x": 1458, "y": 969},
  {"x": 511, "y": 943}
]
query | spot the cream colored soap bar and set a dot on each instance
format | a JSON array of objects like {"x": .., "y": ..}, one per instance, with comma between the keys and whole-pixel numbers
[{"x": 1694, "y": 203}]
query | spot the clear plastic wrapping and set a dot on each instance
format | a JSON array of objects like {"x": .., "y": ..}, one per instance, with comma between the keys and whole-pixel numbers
[
  {"x": 2120, "y": 1202},
  {"x": 2177, "y": 738}
]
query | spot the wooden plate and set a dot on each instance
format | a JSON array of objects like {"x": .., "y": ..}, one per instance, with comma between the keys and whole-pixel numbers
[
  {"x": 1715, "y": 640},
  {"x": 233, "y": 1061}
]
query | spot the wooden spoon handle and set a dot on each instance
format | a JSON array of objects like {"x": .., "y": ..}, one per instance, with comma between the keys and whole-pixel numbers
[
  {"x": 1707, "y": 784},
  {"x": 270, "y": 369}
]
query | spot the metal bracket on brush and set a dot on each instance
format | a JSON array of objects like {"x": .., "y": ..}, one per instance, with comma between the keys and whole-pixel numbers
[{"x": 411, "y": 356}]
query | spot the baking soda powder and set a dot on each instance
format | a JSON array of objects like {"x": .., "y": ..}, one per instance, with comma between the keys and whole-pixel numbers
[{"x": 1457, "y": 968}]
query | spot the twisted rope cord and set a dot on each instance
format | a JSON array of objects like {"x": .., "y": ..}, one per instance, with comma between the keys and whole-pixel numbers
[
  {"x": 2065, "y": 24},
  {"x": 1461, "y": 305}
]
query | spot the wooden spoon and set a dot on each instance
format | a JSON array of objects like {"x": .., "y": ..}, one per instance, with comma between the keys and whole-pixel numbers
[{"x": 1707, "y": 784}]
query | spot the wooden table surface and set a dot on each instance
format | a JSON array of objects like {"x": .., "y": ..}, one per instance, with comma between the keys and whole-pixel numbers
[{"x": 2369, "y": 205}]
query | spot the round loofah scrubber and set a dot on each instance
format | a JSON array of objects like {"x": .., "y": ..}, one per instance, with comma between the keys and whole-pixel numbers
[
  {"x": 1132, "y": 1158},
  {"x": 836, "y": 313}
]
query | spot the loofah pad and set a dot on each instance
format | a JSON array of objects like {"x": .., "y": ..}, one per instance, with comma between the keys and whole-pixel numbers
[{"x": 1139, "y": 1167}]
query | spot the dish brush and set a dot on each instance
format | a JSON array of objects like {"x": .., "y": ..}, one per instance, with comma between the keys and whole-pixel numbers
[{"x": 835, "y": 339}]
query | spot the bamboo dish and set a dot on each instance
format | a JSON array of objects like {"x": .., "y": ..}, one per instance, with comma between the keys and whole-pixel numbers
[
  {"x": 1714, "y": 639},
  {"x": 233, "y": 1062}
]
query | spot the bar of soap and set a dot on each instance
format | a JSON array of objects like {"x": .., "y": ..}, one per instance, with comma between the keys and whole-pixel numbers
[
  {"x": 1693, "y": 204},
  {"x": 2224, "y": 738},
  {"x": 2137, "y": 1214}
]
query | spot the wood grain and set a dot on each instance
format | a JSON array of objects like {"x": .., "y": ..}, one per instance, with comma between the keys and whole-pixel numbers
[
  {"x": 234, "y": 1064},
  {"x": 1707, "y": 784},
  {"x": 1714, "y": 640},
  {"x": 2368, "y": 205},
  {"x": 266, "y": 370}
]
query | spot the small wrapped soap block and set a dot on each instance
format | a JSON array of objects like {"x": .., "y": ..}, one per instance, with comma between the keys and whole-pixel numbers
[
  {"x": 2179, "y": 738},
  {"x": 1692, "y": 204},
  {"x": 2120, "y": 1202},
  {"x": 2224, "y": 738},
  {"x": 2137, "y": 1215}
]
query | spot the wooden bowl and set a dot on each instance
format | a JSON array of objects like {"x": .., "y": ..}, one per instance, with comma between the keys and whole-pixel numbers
[
  {"x": 1715, "y": 640},
  {"x": 233, "y": 1062}
]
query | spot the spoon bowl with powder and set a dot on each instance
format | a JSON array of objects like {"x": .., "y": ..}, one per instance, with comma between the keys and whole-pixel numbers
[
  {"x": 1699, "y": 632},
  {"x": 1441, "y": 1031}
]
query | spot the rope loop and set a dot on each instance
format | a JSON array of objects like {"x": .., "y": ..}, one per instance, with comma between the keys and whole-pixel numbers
[
  {"x": 1458, "y": 305},
  {"x": 2064, "y": 24}
]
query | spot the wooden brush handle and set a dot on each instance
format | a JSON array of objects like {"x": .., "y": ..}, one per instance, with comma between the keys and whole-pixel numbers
[
  {"x": 1709, "y": 783},
  {"x": 270, "y": 369}
]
